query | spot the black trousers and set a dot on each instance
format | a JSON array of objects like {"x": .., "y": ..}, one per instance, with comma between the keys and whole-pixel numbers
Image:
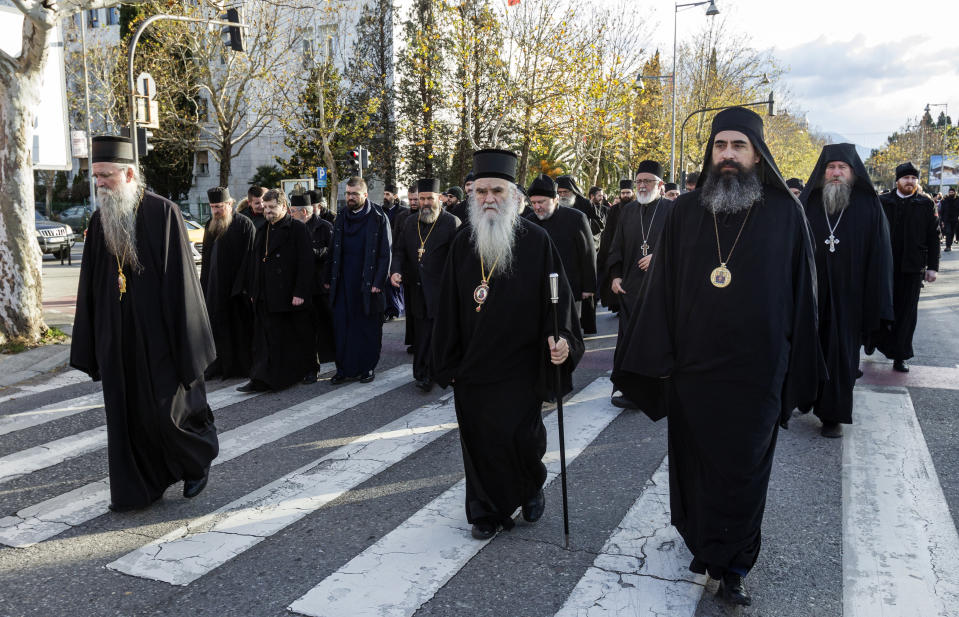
[
  {"x": 951, "y": 231},
  {"x": 422, "y": 337}
]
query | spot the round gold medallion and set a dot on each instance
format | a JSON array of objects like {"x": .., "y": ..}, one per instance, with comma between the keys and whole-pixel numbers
[{"x": 721, "y": 276}]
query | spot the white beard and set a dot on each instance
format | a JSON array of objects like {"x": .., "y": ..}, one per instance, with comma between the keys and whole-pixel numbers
[
  {"x": 835, "y": 196},
  {"x": 569, "y": 202},
  {"x": 428, "y": 215},
  {"x": 647, "y": 197},
  {"x": 493, "y": 234},
  {"x": 118, "y": 215}
]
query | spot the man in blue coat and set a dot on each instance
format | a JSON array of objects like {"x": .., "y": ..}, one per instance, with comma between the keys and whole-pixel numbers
[{"x": 359, "y": 266}]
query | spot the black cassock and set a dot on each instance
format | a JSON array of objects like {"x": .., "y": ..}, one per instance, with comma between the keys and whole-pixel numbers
[
  {"x": 422, "y": 278},
  {"x": 321, "y": 233},
  {"x": 727, "y": 366},
  {"x": 223, "y": 278},
  {"x": 283, "y": 338},
  {"x": 606, "y": 295},
  {"x": 499, "y": 359},
  {"x": 854, "y": 280},
  {"x": 626, "y": 249},
  {"x": 395, "y": 301},
  {"x": 914, "y": 233},
  {"x": 569, "y": 230},
  {"x": 150, "y": 348}
]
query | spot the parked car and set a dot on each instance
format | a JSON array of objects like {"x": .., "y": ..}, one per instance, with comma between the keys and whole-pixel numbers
[
  {"x": 77, "y": 217},
  {"x": 54, "y": 238},
  {"x": 194, "y": 233}
]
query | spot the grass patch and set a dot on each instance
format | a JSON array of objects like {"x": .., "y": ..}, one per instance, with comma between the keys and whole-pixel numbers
[{"x": 51, "y": 336}]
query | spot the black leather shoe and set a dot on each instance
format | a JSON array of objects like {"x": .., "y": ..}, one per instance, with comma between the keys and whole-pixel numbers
[
  {"x": 337, "y": 379},
  {"x": 831, "y": 430},
  {"x": 309, "y": 378},
  {"x": 252, "y": 386},
  {"x": 623, "y": 403},
  {"x": 732, "y": 589},
  {"x": 483, "y": 530},
  {"x": 192, "y": 488},
  {"x": 900, "y": 366},
  {"x": 425, "y": 385},
  {"x": 367, "y": 377},
  {"x": 534, "y": 508},
  {"x": 115, "y": 508},
  {"x": 411, "y": 349}
]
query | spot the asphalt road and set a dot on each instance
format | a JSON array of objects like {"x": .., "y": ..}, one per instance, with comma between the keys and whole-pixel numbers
[{"x": 333, "y": 506}]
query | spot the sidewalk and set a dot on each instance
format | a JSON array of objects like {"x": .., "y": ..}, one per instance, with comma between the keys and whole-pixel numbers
[{"x": 25, "y": 365}]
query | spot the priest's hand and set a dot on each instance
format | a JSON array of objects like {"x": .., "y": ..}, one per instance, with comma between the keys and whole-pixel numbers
[
  {"x": 587, "y": 294},
  {"x": 297, "y": 301},
  {"x": 375, "y": 289},
  {"x": 931, "y": 276},
  {"x": 617, "y": 286},
  {"x": 396, "y": 279},
  {"x": 644, "y": 262},
  {"x": 558, "y": 351}
]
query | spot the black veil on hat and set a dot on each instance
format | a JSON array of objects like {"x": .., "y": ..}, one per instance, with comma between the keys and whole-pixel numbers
[
  {"x": 750, "y": 124},
  {"x": 494, "y": 163},
  {"x": 845, "y": 153},
  {"x": 569, "y": 183},
  {"x": 112, "y": 149}
]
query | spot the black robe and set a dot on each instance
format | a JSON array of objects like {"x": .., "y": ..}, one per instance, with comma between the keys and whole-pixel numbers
[
  {"x": 606, "y": 295},
  {"x": 422, "y": 278},
  {"x": 223, "y": 278},
  {"x": 854, "y": 281},
  {"x": 258, "y": 219},
  {"x": 283, "y": 336},
  {"x": 499, "y": 359},
  {"x": 395, "y": 300},
  {"x": 321, "y": 233},
  {"x": 569, "y": 230},
  {"x": 626, "y": 248},
  {"x": 150, "y": 348},
  {"x": 727, "y": 366}
]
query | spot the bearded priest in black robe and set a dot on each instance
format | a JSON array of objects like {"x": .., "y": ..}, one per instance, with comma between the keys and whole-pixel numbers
[
  {"x": 281, "y": 288},
  {"x": 227, "y": 245},
  {"x": 854, "y": 268},
  {"x": 141, "y": 326},
  {"x": 419, "y": 256},
  {"x": 492, "y": 339},
  {"x": 724, "y": 344}
]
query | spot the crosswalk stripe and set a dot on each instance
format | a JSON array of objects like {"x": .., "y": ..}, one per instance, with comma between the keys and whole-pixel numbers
[
  {"x": 48, "y": 413},
  {"x": 66, "y": 378},
  {"x": 189, "y": 552},
  {"x": 63, "y": 449},
  {"x": 900, "y": 546},
  {"x": 643, "y": 569},
  {"x": 413, "y": 561},
  {"x": 44, "y": 520}
]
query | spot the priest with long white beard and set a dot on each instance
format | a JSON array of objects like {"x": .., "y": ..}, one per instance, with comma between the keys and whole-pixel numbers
[
  {"x": 492, "y": 339},
  {"x": 141, "y": 326}
]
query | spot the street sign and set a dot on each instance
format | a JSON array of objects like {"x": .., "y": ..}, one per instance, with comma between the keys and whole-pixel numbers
[
  {"x": 146, "y": 86},
  {"x": 148, "y": 113},
  {"x": 320, "y": 177}
]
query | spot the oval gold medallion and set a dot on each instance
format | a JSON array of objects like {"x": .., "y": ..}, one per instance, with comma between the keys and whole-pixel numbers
[{"x": 721, "y": 277}]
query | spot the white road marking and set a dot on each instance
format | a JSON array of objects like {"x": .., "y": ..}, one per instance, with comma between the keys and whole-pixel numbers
[
  {"x": 48, "y": 413},
  {"x": 189, "y": 552},
  {"x": 643, "y": 569},
  {"x": 900, "y": 546},
  {"x": 66, "y": 378},
  {"x": 413, "y": 561},
  {"x": 44, "y": 520}
]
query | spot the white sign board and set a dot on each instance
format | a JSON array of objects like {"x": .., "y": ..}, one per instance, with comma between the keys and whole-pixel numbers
[{"x": 51, "y": 133}]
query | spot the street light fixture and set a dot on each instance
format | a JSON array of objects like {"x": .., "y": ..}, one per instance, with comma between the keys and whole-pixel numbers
[{"x": 711, "y": 11}]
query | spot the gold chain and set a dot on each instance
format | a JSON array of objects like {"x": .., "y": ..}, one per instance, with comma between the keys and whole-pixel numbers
[
  {"x": 419, "y": 232},
  {"x": 719, "y": 249}
]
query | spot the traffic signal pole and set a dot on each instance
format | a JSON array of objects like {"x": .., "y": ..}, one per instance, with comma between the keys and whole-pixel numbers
[{"x": 132, "y": 93}]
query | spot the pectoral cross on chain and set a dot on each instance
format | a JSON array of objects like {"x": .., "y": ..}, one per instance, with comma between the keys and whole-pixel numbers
[
  {"x": 832, "y": 241},
  {"x": 645, "y": 248}
]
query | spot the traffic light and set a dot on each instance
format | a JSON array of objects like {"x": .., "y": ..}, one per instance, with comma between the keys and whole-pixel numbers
[
  {"x": 232, "y": 36},
  {"x": 354, "y": 160},
  {"x": 144, "y": 147},
  {"x": 364, "y": 158}
]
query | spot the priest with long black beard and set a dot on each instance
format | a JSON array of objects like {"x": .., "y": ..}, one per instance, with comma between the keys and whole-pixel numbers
[
  {"x": 492, "y": 339},
  {"x": 419, "y": 256},
  {"x": 854, "y": 268},
  {"x": 724, "y": 344},
  {"x": 227, "y": 244},
  {"x": 141, "y": 326},
  {"x": 281, "y": 289}
]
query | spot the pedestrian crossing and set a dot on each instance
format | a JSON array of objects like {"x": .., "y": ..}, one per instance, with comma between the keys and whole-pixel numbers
[{"x": 900, "y": 548}]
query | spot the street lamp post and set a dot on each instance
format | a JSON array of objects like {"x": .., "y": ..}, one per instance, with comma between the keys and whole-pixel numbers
[
  {"x": 710, "y": 11},
  {"x": 942, "y": 159}
]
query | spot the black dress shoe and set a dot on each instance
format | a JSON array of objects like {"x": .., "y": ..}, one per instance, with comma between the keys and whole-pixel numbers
[
  {"x": 425, "y": 385},
  {"x": 900, "y": 366},
  {"x": 732, "y": 589},
  {"x": 367, "y": 377},
  {"x": 115, "y": 508},
  {"x": 309, "y": 378},
  {"x": 831, "y": 430},
  {"x": 483, "y": 530},
  {"x": 337, "y": 379},
  {"x": 623, "y": 403},
  {"x": 411, "y": 349},
  {"x": 534, "y": 508},
  {"x": 252, "y": 386},
  {"x": 192, "y": 488}
]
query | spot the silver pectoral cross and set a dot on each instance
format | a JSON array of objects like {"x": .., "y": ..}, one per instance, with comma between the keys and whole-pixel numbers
[
  {"x": 645, "y": 249},
  {"x": 832, "y": 241}
]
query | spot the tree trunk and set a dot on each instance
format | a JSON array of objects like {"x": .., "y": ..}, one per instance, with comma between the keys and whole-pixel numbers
[
  {"x": 226, "y": 160},
  {"x": 21, "y": 289}
]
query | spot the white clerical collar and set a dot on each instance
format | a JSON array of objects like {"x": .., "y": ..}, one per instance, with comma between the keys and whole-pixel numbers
[{"x": 901, "y": 196}]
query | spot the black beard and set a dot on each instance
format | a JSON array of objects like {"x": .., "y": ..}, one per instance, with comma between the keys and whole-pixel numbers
[{"x": 726, "y": 193}]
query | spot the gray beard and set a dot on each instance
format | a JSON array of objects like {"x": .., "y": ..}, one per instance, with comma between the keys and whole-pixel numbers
[
  {"x": 569, "y": 202},
  {"x": 493, "y": 236},
  {"x": 835, "y": 197},
  {"x": 118, "y": 216},
  {"x": 728, "y": 194},
  {"x": 646, "y": 198},
  {"x": 219, "y": 225},
  {"x": 428, "y": 215}
]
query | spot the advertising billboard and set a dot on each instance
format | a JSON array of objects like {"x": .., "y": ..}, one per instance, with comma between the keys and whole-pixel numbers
[{"x": 943, "y": 173}]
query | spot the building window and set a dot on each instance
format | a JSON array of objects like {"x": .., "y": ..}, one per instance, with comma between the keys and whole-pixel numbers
[
  {"x": 326, "y": 40},
  {"x": 113, "y": 16},
  {"x": 93, "y": 18},
  {"x": 203, "y": 163}
]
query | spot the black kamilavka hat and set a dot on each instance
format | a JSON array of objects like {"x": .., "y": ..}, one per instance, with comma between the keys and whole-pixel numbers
[
  {"x": 543, "y": 186},
  {"x": 112, "y": 149},
  {"x": 218, "y": 195},
  {"x": 650, "y": 167},
  {"x": 300, "y": 201},
  {"x": 494, "y": 163},
  {"x": 428, "y": 185}
]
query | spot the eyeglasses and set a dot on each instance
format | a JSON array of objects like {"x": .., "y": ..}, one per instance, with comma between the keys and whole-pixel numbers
[
  {"x": 647, "y": 182},
  {"x": 353, "y": 194}
]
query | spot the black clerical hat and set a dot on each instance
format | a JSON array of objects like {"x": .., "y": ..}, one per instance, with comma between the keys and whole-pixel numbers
[
  {"x": 112, "y": 149},
  {"x": 543, "y": 186},
  {"x": 428, "y": 185},
  {"x": 300, "y": 201},
  {"x": 390, "y": 188},
  {"x": 650, "y": 167},
  {"x": 494, "y": 164},
  {"x": 750, "y": 124},
  {"x": 626, "y": 183},
  {"x": 906, "y": 169},
  {"x": 794, "y": 183},
  {"x": 569, "y": 183},
  {"x": 314, "y": 196},
  {"x": 218, "y": 194},
  {"x": 470, "y": 176},
  {"x": 670, "y": 186}
]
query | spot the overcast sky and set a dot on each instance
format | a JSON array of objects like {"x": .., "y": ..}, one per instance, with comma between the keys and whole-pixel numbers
[{"x": 860, "y": 68}]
